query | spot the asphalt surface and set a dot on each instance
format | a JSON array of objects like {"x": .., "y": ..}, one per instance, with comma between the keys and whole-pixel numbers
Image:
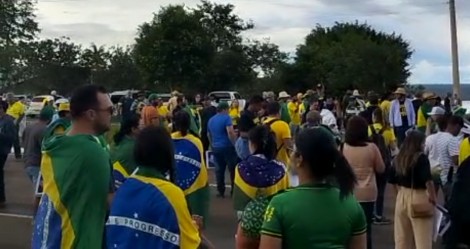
[{"x": 15, "y": 221}]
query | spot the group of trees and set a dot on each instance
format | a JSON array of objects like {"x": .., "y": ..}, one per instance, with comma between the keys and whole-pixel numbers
[{"x": 200, "y": 49}]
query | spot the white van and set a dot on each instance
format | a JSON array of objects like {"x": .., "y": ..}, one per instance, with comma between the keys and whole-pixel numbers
[
  {"x": 37, "y": 103},
  {"x": 228, "y": 96}
]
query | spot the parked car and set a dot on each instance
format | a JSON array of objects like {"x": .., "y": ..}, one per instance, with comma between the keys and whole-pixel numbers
[
  {"x": 36, "y": 105},
  {"x": 228, "y": 96}
]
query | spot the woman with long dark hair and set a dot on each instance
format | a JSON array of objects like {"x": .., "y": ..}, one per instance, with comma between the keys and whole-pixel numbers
[
  {"x": 149, "y": 210},
  {"x": 366, "y": 161},
  {"x": 257, "y": 179},
  {"x": 412, "y": 178},
  {"x": 122, "y": 155},
  {"x": 191, "y": 170},
  {"x": 322, "y": 212}
]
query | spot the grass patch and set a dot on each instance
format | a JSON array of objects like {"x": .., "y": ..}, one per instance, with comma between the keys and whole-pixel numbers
[{"x": 110, "y": 134}]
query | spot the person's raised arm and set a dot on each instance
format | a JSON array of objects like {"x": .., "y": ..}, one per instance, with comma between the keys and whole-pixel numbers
[{"x": 358, "y": 242}]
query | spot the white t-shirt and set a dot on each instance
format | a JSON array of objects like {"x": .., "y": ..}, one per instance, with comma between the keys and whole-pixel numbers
[
  {"x": 440, "y": 148},
  {"x": 329, "y": 119}
]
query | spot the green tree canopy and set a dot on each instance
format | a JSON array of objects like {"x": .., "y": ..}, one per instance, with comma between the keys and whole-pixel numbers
[
  {"x": 201, "y": 49},
  {"x": 350, "y": 55},
  {"x": 17, "y": 28}
]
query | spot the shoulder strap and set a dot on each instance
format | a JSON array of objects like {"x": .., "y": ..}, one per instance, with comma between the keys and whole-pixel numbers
[
  {"x": 372, "y": 129},
  {"x": 268, "y": 124},
  {"x": 381, "y": 132},
  {"x": 272, "y": 122}
]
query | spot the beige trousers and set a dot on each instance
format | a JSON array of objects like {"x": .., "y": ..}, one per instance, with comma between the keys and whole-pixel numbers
[{"x": 411, "y": 232}]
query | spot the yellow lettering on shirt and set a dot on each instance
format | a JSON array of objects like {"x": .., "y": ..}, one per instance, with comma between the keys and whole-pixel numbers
[
  {"x": 268, "y": 215},
  {"x": 403, "y": 110}
]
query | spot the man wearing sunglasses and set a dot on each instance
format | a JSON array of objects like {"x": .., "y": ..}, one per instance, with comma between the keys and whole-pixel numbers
[{"x": 76, "y": 172}]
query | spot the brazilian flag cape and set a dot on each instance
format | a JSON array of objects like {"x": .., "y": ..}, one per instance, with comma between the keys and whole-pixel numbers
[
  {"x": 122, "y": 157},
  {"x": 194, "y": 127},
  {"x": 191, "y": 173},
  {"x": 257, "y": 174},
  {"x": 422, "y": 117},
  {"x": 285, "y": 116},
  {"x": 148, "y": 211},
  {"x": 76, "y": 173},
  {"x": 57, "y": 127}
]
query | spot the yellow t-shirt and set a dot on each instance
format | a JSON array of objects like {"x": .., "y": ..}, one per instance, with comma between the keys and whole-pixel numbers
[
  {"x": 163, "y": 111},
  {"x": 234, "y": 113},
  {"x": 16, "y": 110},
  {"x": 282, "y": 131},
  {"x": 464, "y": 150},
  {"x": 388, "y": 134},
  {"x": 294, "y": 112},
  {"x": 421, "y": 120}
]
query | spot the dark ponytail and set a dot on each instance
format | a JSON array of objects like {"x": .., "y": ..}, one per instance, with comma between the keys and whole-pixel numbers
[
  {"x": 344, "y": 174},
  {"x": 127, "y": 125},
  {"x": 264, "y": 140},
  {"x": 325, "y": 162}
]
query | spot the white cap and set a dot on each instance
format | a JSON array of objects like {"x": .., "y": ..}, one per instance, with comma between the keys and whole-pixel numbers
[
  {"x": 53, "y": 92},
  {"x": 437, "y": 111},
  {"x": 356, "y": 93},
  {"x": 284, "y": 95},
  {"x": 465, "y": 129}
]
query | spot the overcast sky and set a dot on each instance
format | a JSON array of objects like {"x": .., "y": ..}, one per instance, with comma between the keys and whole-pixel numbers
[{"x": 425, "y": 23}]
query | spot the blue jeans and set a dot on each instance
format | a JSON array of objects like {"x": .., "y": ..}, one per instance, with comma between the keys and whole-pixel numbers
[
  {"x": 242, "y": 148},
  {"x": 400, "y": 133},
  {"x": 33, "y": 174},
  {"x": 225, "y": 157}
]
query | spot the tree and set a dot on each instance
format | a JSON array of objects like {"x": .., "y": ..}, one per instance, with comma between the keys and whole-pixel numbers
[
  {"x": 204, "y": 47},
  {"x": 352, "y": 55},
  {"x": 173, "y": 50},
  {"x": 122, "y": 72},
  {"x": 53, "y": 64},
  {"x": 17, "y": 27}
]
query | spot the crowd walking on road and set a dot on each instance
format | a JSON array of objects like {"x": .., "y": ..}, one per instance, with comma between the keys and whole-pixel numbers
[{"x": 304, "y": 171}]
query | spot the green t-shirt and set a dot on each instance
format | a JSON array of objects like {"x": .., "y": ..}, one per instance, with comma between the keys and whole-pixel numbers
[
  {"x": 76, "y": 172},
  {"x": 329, "y": 223},
  {"x": 285, "y": 116}
]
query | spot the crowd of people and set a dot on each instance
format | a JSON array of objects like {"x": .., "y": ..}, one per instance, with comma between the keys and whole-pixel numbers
[{"x": 283, "y": 154}]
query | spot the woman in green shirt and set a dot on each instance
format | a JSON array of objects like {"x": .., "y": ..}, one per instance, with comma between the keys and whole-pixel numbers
[
  {"x": 122, "y": 155},
  {"x": 330, "y": 215}
]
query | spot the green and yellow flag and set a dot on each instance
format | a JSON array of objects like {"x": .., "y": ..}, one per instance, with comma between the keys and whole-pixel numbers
[{"x": 76, "y": 174}]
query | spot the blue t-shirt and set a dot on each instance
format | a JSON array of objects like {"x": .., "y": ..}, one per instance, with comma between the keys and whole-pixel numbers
[{"x": 217, "y": 128}]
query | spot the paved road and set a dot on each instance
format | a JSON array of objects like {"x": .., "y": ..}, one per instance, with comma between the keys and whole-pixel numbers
[{"x": 15, "y": 226}]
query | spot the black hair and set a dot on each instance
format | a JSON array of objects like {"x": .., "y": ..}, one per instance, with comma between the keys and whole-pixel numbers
[
  {"x": 85, "y": 98},
  {"x": 455, "y": 120},
  {"x": 264, "y": 140},
  {"x": 3, "y": 105},
  {"x": 442, "y": 123},
  {"x": 62, "y": 114},
  {"x": 126, "y": 128},
  {"x": 319, "y": 151},
  {"x": 273, "y": 108},
  {"x": 357, "y": 131},
  {"x": 182, "y": 123},
  {"x": 154, "y": 149},
  {"x": 256, "y": 99},
  {"x": 374, "y": 99}
]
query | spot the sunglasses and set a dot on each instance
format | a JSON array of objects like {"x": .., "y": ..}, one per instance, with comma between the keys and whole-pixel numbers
[{"x": 109, "y": 110}]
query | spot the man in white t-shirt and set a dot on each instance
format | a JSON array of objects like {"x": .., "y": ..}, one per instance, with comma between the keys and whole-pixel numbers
[{"x": 443, "y": 148}]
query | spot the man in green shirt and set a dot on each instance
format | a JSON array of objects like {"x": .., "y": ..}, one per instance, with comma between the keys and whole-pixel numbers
[
  {"x": 76, "y": 173},
  {"x": 283, "y": 97}
]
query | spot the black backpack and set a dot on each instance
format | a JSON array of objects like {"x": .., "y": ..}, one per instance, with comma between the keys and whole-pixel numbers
[
  {"x": 379, "y": 140},
  {"x": 268, "y": 125}
]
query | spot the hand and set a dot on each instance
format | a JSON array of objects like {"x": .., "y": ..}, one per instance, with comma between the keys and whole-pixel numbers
[
  {"x": 198, "y": 221},
  {"x": 429, "y": 121}
]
